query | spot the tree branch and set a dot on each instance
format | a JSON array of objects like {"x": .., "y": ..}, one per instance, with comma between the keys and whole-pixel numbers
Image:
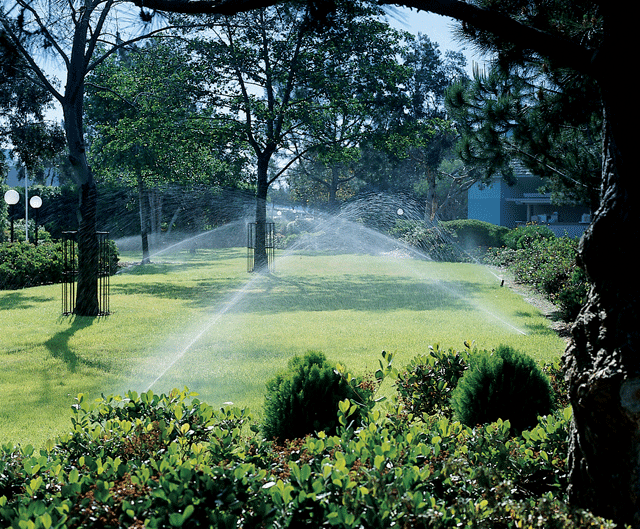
[{"x": 563, "y": 52}]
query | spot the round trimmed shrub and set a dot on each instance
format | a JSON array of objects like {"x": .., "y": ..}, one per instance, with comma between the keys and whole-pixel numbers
[
  {"x": 426, "y": 384},
  {"x": 503, "y": 384},
  {"x": 304, "y": 399}
]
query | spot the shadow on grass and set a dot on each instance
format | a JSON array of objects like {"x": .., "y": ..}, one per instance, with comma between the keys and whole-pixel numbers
[
  {"x": 21, "y": 299},
  {"x": 58, "y": 346},
  {"x": 357, "y": 292},
  {"x": 202, "y": 293},
  {"x": 170, "y": 262},
  {"x": 364, "y": 292}
]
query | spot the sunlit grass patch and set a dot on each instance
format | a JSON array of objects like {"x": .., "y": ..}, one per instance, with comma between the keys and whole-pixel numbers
[{"x": 201, "y": 321}]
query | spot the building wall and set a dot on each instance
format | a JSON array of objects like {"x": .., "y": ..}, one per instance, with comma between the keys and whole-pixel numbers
[
  {"x": 491, "y": 203},
  {"x": 484, "y": 202}
]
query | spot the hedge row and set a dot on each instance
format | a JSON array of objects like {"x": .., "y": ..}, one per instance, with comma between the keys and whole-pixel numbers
[
  {"x": 23, "y": 264},
  {"x": 455, "y": 240},
  {"x": 548, "y": 264},
  {"x": 147, "y": 460}
]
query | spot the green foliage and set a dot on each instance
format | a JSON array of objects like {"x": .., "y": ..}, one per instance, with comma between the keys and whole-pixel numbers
[
  {"x": 453, "y": 240},
  {"x": 435, "y": 240},
  {"x": 19, "y": 233},
  {"x": 549, "y": 265},
  {"x": 474, "y": 234},
  {"x": 112, "y": 256},
  {"x": 146, "y": 460},
  {"x": 426, "y": 384},
  {"x": 304, "y": 398},
  {"x": 525, "y": 236},
  {"x": 502, "y": 384},
  {"x": 24, "y": 265},
  {"x": 555, "y": 372}
]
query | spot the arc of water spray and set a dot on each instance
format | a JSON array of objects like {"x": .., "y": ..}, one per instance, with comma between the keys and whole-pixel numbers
[
  {"x": 205, "y": 328},
  {"x": 242, "y": 292}
]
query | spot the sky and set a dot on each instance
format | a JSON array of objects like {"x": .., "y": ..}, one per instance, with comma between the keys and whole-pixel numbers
[{"x": 438, "y": 28}]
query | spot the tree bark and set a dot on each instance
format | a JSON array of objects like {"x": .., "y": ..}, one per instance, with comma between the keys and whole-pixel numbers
[
  {"x": 261, "y": 261},
  {"x": 603, "y": 357},
  {"x": 431, "y": 206},
  {"x": 87, "y": 288},
  {"x": 144, "y": 220}
]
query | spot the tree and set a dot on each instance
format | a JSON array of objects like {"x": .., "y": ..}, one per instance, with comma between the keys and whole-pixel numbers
[
  {"x": 23, "y": 103},
  {"x": 149, "y": 129},
  {"x": 426, "y": 122},
  {"x": 360, "y": 84},
  {"x": 604, "y": 367},
  {"x": 277, "y": 79},
  {"x": 549, "y": 120},
  {"x": 410, "y": 140},
  {"x": 68, "y": 34}
]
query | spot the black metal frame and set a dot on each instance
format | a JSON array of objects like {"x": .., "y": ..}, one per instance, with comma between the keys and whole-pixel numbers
[
  {"x": 269, "y": 244},
  {"x": 70, "y": 272}
]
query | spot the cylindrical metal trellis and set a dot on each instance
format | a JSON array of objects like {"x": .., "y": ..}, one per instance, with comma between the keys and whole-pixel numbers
[
  {"x": 269, "y": 244},
  {"x": 70, "y": 272}
]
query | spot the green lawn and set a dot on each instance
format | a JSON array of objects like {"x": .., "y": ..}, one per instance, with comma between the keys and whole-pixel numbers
[{"x": 203, "y": 322}]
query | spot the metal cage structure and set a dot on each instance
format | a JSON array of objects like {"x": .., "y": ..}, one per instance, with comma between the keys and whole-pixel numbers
[
  {"x": 269, "y": 244},
  {"x": 70, "y": 272}
]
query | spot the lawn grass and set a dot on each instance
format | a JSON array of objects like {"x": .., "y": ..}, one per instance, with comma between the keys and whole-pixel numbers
[{"x": 201, "y": 321}]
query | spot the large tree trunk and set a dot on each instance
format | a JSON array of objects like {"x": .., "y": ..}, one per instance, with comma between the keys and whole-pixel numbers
[
  {"x": 261, "y": 261},
  {"x": 87, "y": 289},
  {"x": 603, "y": 358},
  {"x": 144, "y": 219},
  {"x": 431, "y": 204}
]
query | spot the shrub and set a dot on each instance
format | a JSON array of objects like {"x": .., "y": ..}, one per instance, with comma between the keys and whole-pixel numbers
[
  {"x": 435, "y": 240},
  {"x": 524, "y": 236},
  {"x": 172, "y": 461},
  {"x": 573, "y": 294},
  {"x": 112, "y": 256},
  {"x": 503, "y": 384},
  {"x": 304, "y": 398},
  {"x": 25, "y": 265},
  {"x": 555, "y": 372},
  {"x": 474, "y": 235},
  {"x": 426, "y": 384},
  {"x": 548, "y": 265},
  {"x": 19, "y": 232}
]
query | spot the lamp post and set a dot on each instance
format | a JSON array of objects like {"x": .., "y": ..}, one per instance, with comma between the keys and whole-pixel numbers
[
  {"x": 11, "y": 197},
  {"x": 35, "y": 202}
]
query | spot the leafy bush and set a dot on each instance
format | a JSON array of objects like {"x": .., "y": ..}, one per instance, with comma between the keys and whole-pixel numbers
[
  {"x": 502, "y": 384},
  {"x": 24, "y": 265},
  {"x": 434, "y": 240},
  {"x": 555, "y": 372},
  {"x": 146, "y": 460},
  {"x": 112, "y": 256},
  {"x": 304, "y": 398},
  {"x": 474, "y": 235},
  {"x": 19, "y": 233},
  {"x": 426, "y": 384},
  {"x": 524, "y": 236},
  {"x": 548, "y": 265}
]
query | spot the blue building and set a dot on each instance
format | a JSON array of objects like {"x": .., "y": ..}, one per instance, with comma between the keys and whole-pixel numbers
[{"x": 522, "y": 203}]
